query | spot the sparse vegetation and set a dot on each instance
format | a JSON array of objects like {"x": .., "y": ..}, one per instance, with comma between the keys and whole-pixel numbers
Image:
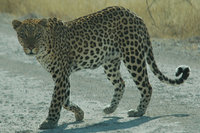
[{"x": 164, "y": 18}]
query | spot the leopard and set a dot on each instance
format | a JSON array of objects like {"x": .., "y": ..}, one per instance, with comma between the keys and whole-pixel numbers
[{"x": 106, "y": 38}]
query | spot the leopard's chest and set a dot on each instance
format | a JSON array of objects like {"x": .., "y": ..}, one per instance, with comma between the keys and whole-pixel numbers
[{"x": 47, "y": 61}]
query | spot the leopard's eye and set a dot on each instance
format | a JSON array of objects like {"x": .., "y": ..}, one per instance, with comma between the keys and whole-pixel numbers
[{"x": 22, "y": 35}]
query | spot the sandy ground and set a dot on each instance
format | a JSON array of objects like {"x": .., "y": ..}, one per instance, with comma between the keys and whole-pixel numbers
[{"x": 26, "y": 89}]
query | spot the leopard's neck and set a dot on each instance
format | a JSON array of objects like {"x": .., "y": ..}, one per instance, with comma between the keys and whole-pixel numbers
[{"x": 56, "y": 49}]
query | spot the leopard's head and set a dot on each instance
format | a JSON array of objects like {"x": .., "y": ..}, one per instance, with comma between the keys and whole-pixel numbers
[{"x": 31, "y": 34}]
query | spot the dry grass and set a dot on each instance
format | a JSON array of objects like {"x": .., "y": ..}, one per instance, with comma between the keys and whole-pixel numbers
[{"x": 173, "y": 18}]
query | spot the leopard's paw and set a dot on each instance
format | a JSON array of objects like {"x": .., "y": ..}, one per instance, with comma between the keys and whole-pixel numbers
[
  {"x": 109, "y": 110},
  {"x": 79, "y": 115},
  {"x": 48, "y": 124},
  {"x": 134, "y": 113}
]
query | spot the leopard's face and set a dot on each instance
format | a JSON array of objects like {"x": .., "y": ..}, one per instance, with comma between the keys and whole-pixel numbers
[{"x": 31, "y": 35}]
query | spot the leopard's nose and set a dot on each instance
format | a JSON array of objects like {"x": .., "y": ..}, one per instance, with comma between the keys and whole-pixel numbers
[{"x": 31, "y": 52}]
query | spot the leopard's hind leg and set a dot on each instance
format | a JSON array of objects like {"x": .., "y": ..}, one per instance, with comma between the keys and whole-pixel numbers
[
  {"x": 136, "y": 66},
  {"x": 112, "y": 70}
]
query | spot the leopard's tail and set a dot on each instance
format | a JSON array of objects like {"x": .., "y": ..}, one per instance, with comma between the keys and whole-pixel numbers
[{"x": 182, "y": 71}]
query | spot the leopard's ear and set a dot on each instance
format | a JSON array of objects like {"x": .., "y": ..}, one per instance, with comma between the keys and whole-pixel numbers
[
  {"x": 16, "y": 24},
  {"x": 43, "y": 22}
]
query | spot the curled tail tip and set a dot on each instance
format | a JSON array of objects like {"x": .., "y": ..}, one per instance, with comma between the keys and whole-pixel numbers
[{"x": 184, "y": 70}]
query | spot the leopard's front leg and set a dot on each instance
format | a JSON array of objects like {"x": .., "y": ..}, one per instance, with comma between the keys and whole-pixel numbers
[
  {"x": 79, "y": 114},
  {"x": 60, "y": 94}
]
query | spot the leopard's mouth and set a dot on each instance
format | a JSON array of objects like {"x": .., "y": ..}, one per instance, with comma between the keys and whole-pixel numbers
[
  {"x": 31, "y": 51},
  {"x": 30, "y": 54}
]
